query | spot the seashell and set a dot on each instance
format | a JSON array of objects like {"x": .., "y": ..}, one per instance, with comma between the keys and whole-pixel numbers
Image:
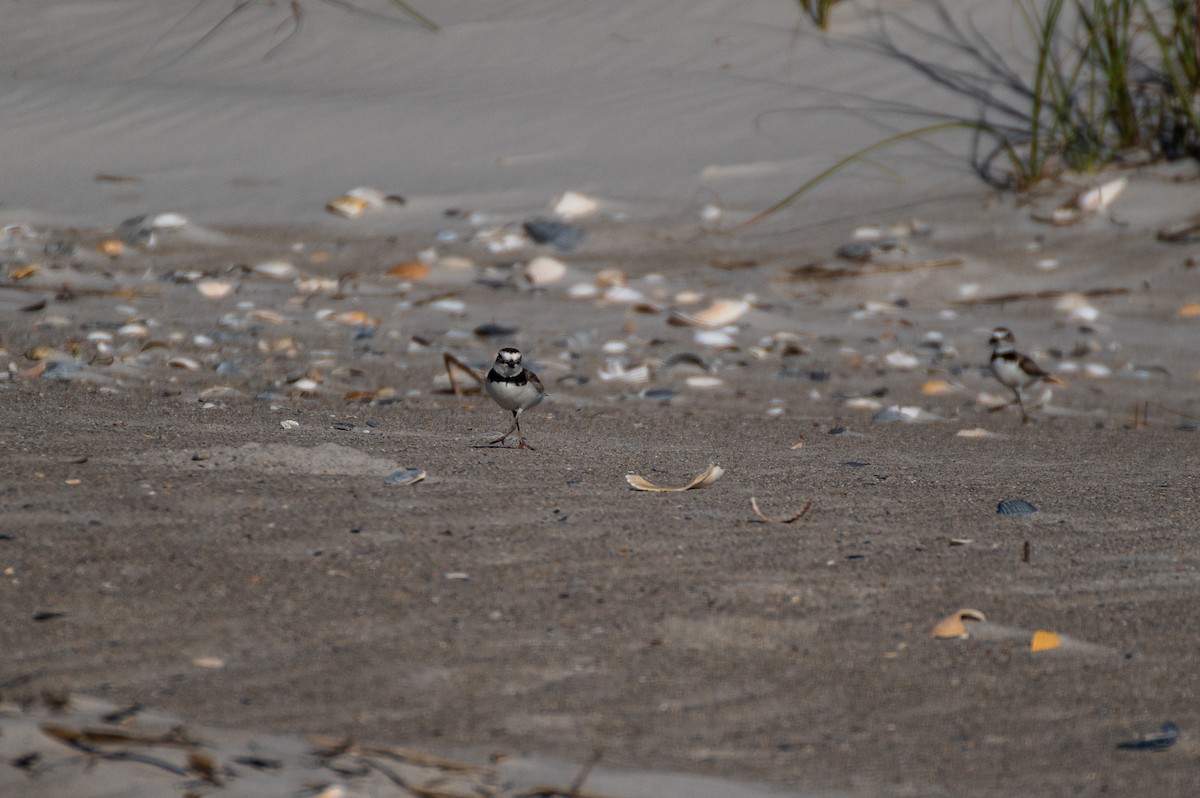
[
  {"x": 1047, "y": 263},
  {"x": 1156, "y": 741},
  {"x": 704, "y": 382},
  {"x": 710, "y": 475},
  {"x": 169, "y": 221},
  {"x": 687, "y": 298},
  {"x": 609, "y": 277},
  {"x": 208, "y": 662},
  {"x": 278, "y": 269},
  {"x": 1098, "y": 198},
  {"x": 622, "y": 295},
  {"x": 689, "y": 358},
  {"x": 718, "y": 314},
  {"x": 938, "y": 388},
  {"x": 902, "y": 360},
  {"x": 289, "y": 423},
  {"x": 952, "y": 625},
  {"x": 614, "y": 347},
  {"x": 561, "y": 235},
  {"x": 902, "y": 414},
  {"x": 455, "y": 262},
  {"x": 456, "y": 306},
  {"x": 1015, "y": 507},
  {"x": 582, "y": 291},
  {"x": 976, "y": 432},
  {"x": 266, "y": 316},
  {"x": 863, "y": 403},
  {"x": 1077, "y": 307},
  {"x": 305, "y": 385},
  {"x": 40, "y": 353},
  {"x": 545, "y": 270},
  {"x": 409, "y": 476},
  {"x": 24, "y": 272},
  {"x": 185, "y": 363},
  {"x": 1044, "y": 641},
  {"x": 615, "y": 371},
  {"x": 133, "y": 330},
  {"x": 710, "y": 213},
  {"x": 573, "y": 205},
  {"x": 660, "y": 395},
  {"x": 317, "y": 285},
  {"x": 214, "y": 289},
  {"x": 356, "y": 318},
  {"x": 780, "y": 519},
  {"x": 717, "y": 339},
  {"x": 112, "y": 247},
  {"x": 1189, "y": 311},
  {"x": 100, "y": 335},
  {"x": 505, "y": 243},
  {"x": 357, "y": 201},
  {"x": 410, "y": 270}
]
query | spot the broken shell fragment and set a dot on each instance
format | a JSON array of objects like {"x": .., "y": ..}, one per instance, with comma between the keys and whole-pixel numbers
[
  {"x": 278, "y": 269},
  {"x": 409, "y": 476},
  {"x": 952, "y": 626},
  {"x": 112, "y": 247},
  {"x": 357, "y": 201},
  {"x": 711, "y": 475},
  {"x": 615, "y": 371},
  {"x": 704, "y": 382},
  {"x": 573, "y": 205},
  {"x": 186, "y": 363},
  {"x": 410, "y": 270},
  {"x": 1044, "y": 641},
  {"x": 1096, "y": 199},
  {"x": 718, "y": 314},
  {"x": 1015, "y": 507},
  {"x": 214, "y": 289},
  {"x": 780, "y": 519},
  {"x": 544, "y": 270}
]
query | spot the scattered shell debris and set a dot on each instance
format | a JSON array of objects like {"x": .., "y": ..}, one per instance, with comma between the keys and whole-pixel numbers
[
  {"x": 708, "y": 477},
  {"x": 953, "y": 626}
]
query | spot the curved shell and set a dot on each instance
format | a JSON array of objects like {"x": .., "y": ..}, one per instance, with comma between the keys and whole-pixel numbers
[
  {"x": 718, "y": 314},
  {"x": 544, "y": 270},
  {"x": 952, "y": 625}
]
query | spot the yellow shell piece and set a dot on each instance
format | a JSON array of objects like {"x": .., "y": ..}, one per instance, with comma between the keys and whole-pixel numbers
[
  {"x": 952, "y": 625},
  {"x": 1044, "y": 641}
]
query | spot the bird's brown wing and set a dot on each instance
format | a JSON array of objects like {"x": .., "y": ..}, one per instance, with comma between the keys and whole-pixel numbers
[
  {"x": 1035, "y": 371},
  {"x": 533, "y": 379}
]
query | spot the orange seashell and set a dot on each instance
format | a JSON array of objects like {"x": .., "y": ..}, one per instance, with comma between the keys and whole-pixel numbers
[
  {"x": 1189, "y": 311},
  {"x": 112, "y": 247},
  {"x": 952, "y": 625},
  {"x": 1044, "y": 641},
  {"x": 23, "y": 272},
  {"x": 410, "y": 270}
]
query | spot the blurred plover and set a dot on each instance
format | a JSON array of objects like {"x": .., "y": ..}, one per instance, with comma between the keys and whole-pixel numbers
[
  {"x": 514, "y": 388},
  {"x": 1015, "y": 370}
]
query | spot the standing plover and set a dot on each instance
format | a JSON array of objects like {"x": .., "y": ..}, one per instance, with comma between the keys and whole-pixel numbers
[
  {"x": 514, "y": 388},
  {"x": 1014, "y": 370}
]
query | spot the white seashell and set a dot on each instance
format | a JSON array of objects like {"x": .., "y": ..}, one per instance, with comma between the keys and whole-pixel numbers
[
  {"x": 902, "y": 360},
  {"x": 622, "y": 295},
  {"x": 289, "y": 423},
  {"x": 614, "y": 347},
  {"x": 1076, "y": 307},
  {"x": 574, "y": 205},
  {"x": 202, "y": 340},
  {"x": 451, "y": 262},
  {"x": 279, "y": 269},
  {"x": 544, "y": 270},
  {"x": 718, "y": 314},
  {"x": 717, "y": 339},
  {"x": 687, "y": 298},
  {"x": 976, "y": 432},
  {"x": 1098, "y": 198},
  {"x": 1097, "y": 370},
  {"x": 863, "y": 403},
  {"x": 906, "y": 414},
  {"x": 506, "y": 243},
  {"x": 703, "y": 381},
  {"x": 214, "y": 289},
  {"x": 168, "y": 221},
  {"x": 184, "y": 363},
  {"x": 133, "y": 330},
  {"x": 450, "y": 305},
  {"x": 1048, "y": 263},
  {"x": 305, "y": 385},
  {"x": 317, "y": 285},
  {"x": 582, "y": 291},
  {"x": 100, "y": 335},
  {"x": 615, "y": 371},
  {"x": 710, "y": 213}
]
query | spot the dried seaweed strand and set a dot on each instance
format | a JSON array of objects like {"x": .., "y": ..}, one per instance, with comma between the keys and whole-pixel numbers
[{"x": 1020, "y": 296}]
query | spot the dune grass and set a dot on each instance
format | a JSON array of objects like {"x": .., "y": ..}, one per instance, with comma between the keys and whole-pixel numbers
[
  {"x": 818, "y": 11},
  {"x": 1107, "y": 83}
]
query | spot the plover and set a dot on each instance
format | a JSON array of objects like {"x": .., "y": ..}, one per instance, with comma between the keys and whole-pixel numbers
[
  {"x": 1014, "y": 370},
  {"x": 514, "y": 388}
]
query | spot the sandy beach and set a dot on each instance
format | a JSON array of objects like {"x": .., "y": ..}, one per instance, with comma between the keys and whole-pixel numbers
[{"x": 217, "y": 582}]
